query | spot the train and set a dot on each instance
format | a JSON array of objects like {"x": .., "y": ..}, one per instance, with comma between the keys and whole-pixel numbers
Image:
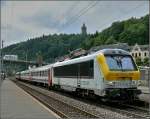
[{"x": 110, "y": 74}]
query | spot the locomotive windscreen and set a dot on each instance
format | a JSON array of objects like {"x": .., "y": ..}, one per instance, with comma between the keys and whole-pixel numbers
[{"x": 120, "y": 63}]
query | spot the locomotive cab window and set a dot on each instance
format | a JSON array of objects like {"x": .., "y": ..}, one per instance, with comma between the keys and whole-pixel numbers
[{"x": 120, "y": 62}]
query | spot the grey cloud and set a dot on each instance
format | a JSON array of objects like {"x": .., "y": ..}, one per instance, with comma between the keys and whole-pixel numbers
[{"x": 50, "y": 19}]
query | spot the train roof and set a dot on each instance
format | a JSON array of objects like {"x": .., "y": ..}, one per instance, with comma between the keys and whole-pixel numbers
[
  {"x": 76, "y": 60},
  {"x": 79, "y": 59},
  {"x": 114, "y": 51},
  {"x": 92, "y": 56},
  {"x": 37, "y": 69},
  {"x": 41, "y": 68}
]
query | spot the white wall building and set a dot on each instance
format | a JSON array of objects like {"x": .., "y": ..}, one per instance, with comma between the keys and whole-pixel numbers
[
  {"x": 140, "y": 51},
  {"x": 10, "y": 57}
]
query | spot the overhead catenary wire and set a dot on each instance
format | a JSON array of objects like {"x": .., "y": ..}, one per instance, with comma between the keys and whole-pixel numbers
[
  {"x": 71, "y": 8},
  {"x": 129, "y": 11},
  {"x": 78, "y": 15}
]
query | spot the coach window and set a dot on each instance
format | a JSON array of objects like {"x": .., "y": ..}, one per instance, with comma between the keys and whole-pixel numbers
[
  {"x": 45, "y": 73},
  {"x": 41, "y": 73}
]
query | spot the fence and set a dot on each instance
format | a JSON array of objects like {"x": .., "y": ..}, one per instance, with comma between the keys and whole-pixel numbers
[{"x": 145, "y": 76}]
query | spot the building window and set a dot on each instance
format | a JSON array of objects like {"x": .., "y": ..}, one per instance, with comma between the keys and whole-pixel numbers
[
  {"x": 135, "y": 54},
  {"x": 140, "y": 54},
  {"x": 145, "y": 54}
]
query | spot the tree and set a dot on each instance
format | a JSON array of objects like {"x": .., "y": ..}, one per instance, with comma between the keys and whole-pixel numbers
[
  {"x": 39, "y": 58},
  {"x": 139, "y": 61},
  {"x": 146, "y": 61},
  {"x": 110, "y": 40}
]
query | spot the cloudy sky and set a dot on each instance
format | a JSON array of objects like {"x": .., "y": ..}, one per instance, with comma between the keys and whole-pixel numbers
[{"x": 22, "y": 20}]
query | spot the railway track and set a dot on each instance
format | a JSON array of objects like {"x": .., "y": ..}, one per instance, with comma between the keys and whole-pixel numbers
[
  {"x": 136, "y": 107},
  {"x": 63, "y": 109},
  {"x": 132, "y": 112}
]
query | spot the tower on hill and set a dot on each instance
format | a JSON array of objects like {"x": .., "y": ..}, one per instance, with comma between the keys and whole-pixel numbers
[{"x": 83, "y": 30}]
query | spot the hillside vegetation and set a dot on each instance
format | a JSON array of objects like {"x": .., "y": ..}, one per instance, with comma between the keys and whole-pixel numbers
[
  {"x": 52, "y": 46},
  {"x": 130, "y": 31}
]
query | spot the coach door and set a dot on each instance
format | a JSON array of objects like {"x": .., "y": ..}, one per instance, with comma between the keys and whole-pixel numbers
[{"x": 50, "y": 77}]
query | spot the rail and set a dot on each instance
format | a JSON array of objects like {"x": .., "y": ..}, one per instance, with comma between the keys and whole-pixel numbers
[{"x": 63, "y": 109}]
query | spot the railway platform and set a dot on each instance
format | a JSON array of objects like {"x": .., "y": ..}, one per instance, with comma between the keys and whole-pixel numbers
[
  {"x": 145, "y": 96},
  {"x": 144, "y": 89},
  {"x": 15, "y": 103}
]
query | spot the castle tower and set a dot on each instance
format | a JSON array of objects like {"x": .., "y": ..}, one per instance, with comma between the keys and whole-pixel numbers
[{"x": 83, "y": 30}]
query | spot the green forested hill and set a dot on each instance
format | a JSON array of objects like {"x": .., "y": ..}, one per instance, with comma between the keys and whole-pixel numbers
[
  {"x": 51, "y": 46},
  {"x": 130, "y": 31}
]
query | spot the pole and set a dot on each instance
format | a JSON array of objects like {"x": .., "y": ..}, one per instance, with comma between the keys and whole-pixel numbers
[
  {"x": 0, "y": 76},
  {"x": 26, "y": 61},
  {"x": 0, "y": 62},
  {"x": 0, "y": 73},
  {"x": 149, "y": 63},
  {"x": 2, "y": 56}
]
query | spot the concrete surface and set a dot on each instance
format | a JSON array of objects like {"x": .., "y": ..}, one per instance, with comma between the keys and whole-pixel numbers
[
  {"x": 144, "y": 89},
  {"x": 145, "y": 96},
  {"x": 17, "y": 104}
]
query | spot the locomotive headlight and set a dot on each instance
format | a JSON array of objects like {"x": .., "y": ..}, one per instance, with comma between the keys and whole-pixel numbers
[{"x": 110, "y": 83}]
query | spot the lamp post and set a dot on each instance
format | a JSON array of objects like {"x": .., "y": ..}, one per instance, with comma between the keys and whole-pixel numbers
[
  {"x": 149, "y": 66},
  {"x": 0, "y": 62},
  {"x": 0, "y": 74},
  {"x": 26, "y": 60},
  {"x": 2, "y": 56}
]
